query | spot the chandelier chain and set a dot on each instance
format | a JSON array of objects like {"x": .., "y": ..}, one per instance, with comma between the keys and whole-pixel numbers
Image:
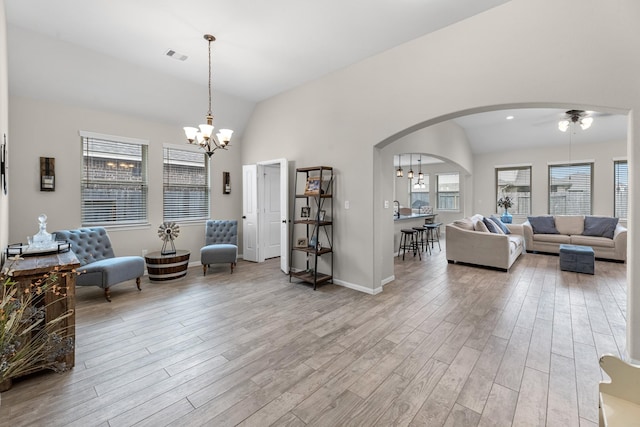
[{"x": 209, "y": 112}]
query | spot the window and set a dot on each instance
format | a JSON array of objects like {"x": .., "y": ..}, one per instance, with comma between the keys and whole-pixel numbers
[
  {"x": 419, "y": 192},
  {"x": 570, "y": 189},
  {"x": 515, "y": 182},
  {"x": 448, "y": 185},
  {"x": 114, "y": 180},
  {"x": 186, "y": 185},
  {"x": 621, "y": 188}
]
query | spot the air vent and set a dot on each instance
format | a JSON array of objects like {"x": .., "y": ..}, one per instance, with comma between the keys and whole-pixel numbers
[{"x": 173, "y": 54}]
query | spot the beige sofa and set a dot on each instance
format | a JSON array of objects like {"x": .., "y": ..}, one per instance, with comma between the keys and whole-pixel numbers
[
  {"x": 570, "y": 231},
  {"x": 476, "y": 245}
]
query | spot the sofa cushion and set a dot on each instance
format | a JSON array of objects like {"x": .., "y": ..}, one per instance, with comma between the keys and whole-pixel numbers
[
  {"x": 464, "y": 223},
  {"x": 599, "y": 226},
  {"x": 491, "y": 226},
  {"x": 500, "y": 224},
  {"x": 543, "y": 224},
  {"x": 593, "y": 241},
  {"x": 569, "y": 224},
  {"x": 552, "y": 238}
]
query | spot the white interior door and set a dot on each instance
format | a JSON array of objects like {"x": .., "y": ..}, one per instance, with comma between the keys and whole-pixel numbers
[
  {"x": 271, "y": 220},
  {"x": 250, "y": 250},
  {"x": 284, "y": 215}
]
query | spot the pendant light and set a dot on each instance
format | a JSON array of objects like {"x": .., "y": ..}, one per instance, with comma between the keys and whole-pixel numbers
[
  {"x": 420, "y": 174},
  {"x": 399, "y": 171}
]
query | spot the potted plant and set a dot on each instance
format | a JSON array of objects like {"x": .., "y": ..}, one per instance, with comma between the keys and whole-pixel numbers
[
  {"x": 506, "y": 202},
  {"x": 27, "y": 343}
]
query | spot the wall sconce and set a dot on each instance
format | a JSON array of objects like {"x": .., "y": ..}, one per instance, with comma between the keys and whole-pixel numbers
[
  {"x": 47, "y": 174},
  {"x": 226, "y": 183}
]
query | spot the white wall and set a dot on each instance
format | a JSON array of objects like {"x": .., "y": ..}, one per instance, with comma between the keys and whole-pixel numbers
[
  {"x": 56, "y": 135},
  {"x": 4, "y": 124},
  {"x": 602, "y": 154}
]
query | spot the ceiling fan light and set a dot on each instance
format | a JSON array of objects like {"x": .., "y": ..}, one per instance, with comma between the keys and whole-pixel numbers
[
  {"x": 563, "y": 125},
  {"x": 585, "y": 123}
]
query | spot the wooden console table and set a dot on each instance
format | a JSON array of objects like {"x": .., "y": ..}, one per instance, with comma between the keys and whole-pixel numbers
[{"x": 33, "y": 268}]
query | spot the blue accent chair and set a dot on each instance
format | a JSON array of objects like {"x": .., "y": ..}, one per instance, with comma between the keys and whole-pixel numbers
[
  {"x": 221, "y": 243},
  {"x": 98, "y": 264}
]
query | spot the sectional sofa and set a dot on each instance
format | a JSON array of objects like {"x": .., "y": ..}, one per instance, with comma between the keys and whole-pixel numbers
[
  {"x": 604, "y": 234},
  {"x": 477, "y": 241}
]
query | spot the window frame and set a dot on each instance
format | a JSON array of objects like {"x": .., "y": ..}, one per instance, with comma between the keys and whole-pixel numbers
[
  {"x": 421, "y": 191},
  {"x": 615, "y": 188},
  {"x": 590, "y": 164},
  {"x": 205, "y": 208},
  {"x": 438, "y": 192},
  {"x": 122, "y": 205},
  {"x": 517, "y": 211}
]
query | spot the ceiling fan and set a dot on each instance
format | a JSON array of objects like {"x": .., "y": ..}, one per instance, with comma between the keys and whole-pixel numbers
[{"x": 581, "y": 117}]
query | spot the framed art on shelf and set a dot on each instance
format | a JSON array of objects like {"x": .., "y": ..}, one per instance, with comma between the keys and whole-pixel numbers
[
  {"x": 305, "y": 212},
  {"x": 301, "y": 242},
  {"x": 321, "y": 215},
  {"x": 313, "y": 186}
]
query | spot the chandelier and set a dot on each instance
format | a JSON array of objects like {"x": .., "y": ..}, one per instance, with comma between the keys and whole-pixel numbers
[
  {"x": 203, "y": 136},
  {"x": 575, "y": 116}
]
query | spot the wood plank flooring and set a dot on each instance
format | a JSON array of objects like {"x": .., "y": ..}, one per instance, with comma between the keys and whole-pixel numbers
[{"x": 443, "y": 345}]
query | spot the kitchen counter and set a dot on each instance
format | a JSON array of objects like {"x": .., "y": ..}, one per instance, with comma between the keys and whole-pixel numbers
[{"x": 414, "y": 216}]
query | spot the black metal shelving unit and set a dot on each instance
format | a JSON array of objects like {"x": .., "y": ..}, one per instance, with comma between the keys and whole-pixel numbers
[{"x": 312, "y": 235}]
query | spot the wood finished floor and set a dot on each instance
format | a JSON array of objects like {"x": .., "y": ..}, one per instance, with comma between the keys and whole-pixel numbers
[{"x": 443, "y": 345}]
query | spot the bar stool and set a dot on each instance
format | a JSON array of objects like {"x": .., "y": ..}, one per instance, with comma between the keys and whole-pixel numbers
[
  {"x": 433, "y": 234},
  {"x": 421, "y": 239},
  {"x": 408, "y": 241}
]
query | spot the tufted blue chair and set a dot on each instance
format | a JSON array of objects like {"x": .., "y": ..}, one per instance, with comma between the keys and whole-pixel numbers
[
  {"x": 98, "y": 264},
  {"x": 221, "y": 243}
]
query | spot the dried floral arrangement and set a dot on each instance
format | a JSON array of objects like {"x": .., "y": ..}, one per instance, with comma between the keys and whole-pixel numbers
[{"x": 27, "y": 342}]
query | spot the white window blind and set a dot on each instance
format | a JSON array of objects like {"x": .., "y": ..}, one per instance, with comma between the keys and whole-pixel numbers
[
  {"x": 448, "y": 191},
  {"x": 186, "y": 185},
  {"x": 570, "y": 189},
  {"x": 515, "y": 182},
  {"x": 114, "y": 182},
  {"x": 621, "y": 188}
]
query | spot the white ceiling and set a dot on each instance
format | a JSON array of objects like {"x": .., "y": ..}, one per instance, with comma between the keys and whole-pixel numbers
[{"x": 263, "y": 48}]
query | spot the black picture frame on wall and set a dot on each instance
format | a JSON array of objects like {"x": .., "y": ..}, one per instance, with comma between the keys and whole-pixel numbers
[{"x": 3, "y": 165}]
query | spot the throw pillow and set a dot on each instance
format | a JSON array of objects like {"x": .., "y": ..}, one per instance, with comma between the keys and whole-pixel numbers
[
  {"x": 491, "y": 226},
  {"x": 543, "y": 225},
  {"x": 500, "y": 224},
  {"x": 600, "y": 226},
  {"x": 478, "y": 225},
  {"x": 465, "y": 224}
]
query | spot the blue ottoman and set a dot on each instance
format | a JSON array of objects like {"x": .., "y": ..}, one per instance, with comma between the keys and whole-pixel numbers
[{"x": 579, "y": 259}]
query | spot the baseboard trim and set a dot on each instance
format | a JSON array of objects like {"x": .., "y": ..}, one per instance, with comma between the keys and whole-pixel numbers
[{"x": 359, "y": 288}]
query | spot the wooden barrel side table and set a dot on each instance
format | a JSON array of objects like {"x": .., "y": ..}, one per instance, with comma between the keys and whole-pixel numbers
[{"x": 167, "y": 267}]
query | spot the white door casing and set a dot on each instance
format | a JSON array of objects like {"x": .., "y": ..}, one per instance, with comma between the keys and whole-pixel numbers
[
  {"x": 250, "y": 250},
  {"x": 254, "y": 233}
]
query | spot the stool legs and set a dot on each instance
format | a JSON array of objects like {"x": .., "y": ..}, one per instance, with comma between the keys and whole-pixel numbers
[{"x": 411, "y": 243}]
